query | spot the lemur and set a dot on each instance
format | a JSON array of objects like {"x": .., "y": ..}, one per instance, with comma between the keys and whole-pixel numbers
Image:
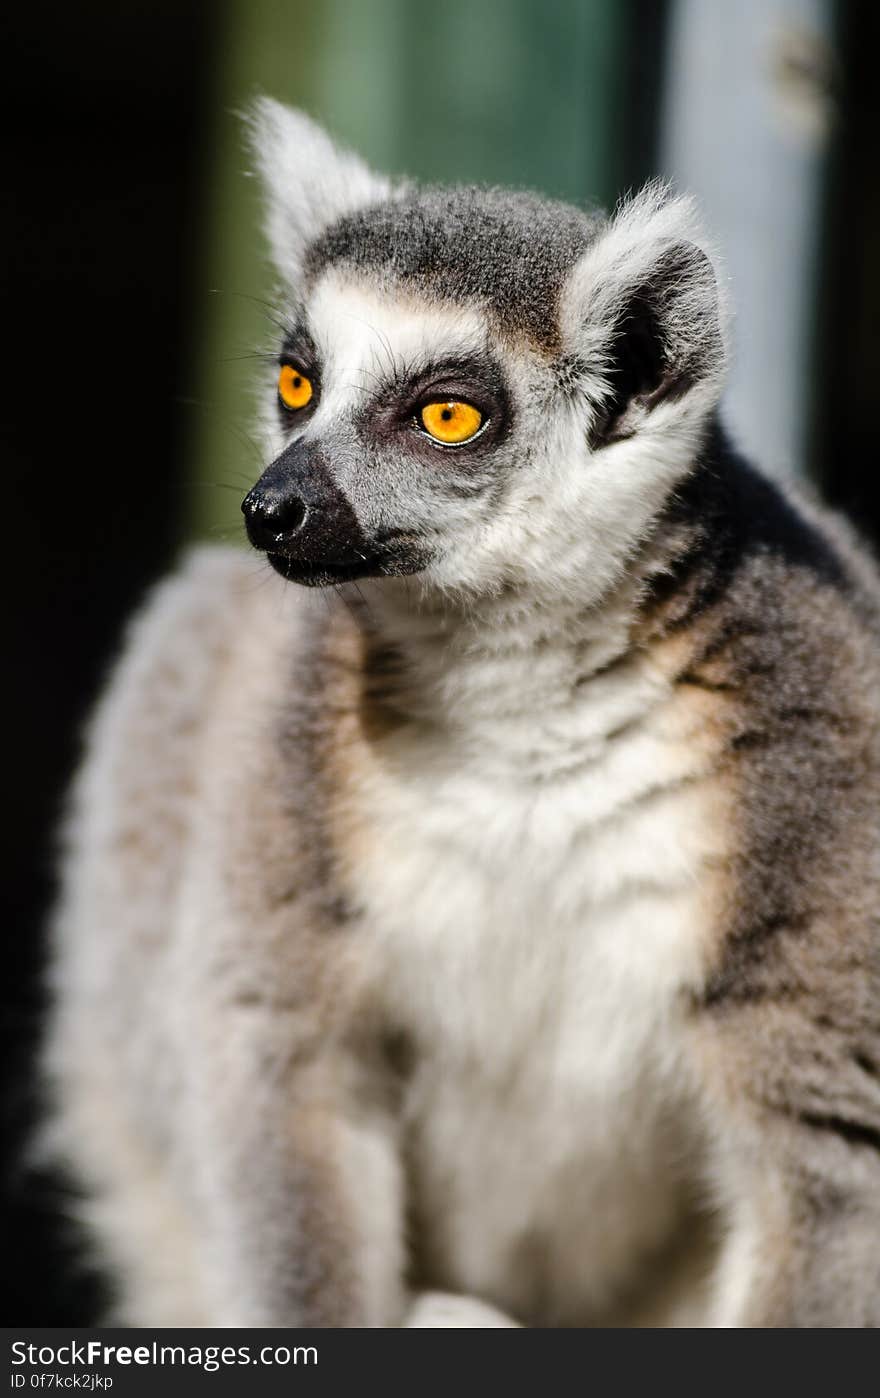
[{"x": 492, "y": 938}]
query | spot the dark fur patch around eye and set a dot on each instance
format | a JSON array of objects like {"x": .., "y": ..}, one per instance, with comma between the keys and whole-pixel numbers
[
  {"x": 475, "y": 379},
  {"x": 299, "y": 349}
]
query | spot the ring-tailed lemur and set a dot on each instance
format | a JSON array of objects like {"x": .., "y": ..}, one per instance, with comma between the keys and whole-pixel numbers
[{"x": 501, "y": 923}]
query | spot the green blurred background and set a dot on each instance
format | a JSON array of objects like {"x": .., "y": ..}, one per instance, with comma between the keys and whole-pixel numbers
[
  {"x": 765, "y": 109},
  {"x": 547, "y": 94}
]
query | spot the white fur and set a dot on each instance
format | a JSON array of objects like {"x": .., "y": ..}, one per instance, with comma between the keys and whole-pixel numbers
[
  {"x": 530, "y": 928},
  {"x": 310, "y": 181},
  {"x": 436, "y": 1310},
  {"x": 536, "y": 934}
]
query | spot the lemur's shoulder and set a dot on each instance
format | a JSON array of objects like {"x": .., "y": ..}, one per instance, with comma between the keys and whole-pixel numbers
[
  {"x": 143, "y": 739},
  {"x": 774, "y": 607},
  {"x": 751, "y": 542},
  {"x": 177, "y": 639}
]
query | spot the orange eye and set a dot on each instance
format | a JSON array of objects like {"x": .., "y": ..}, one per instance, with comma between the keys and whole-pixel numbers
[
  {"x": 294, "y": 389},
  {"x": 451, "y": 422}
]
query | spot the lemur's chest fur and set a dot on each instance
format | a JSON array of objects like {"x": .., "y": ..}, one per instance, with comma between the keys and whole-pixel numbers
[{"x": 536, "y": 885}]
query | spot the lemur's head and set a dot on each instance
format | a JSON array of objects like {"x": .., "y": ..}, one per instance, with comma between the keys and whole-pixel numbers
[{"x": 485, "y": 388}]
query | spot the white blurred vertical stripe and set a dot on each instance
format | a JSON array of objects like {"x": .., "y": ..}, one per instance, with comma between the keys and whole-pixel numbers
[{"x": 747, "y": 110}]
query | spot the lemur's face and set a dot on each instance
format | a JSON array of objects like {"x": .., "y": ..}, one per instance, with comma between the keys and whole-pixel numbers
[
  {"x": 397, "y": 423},
  {"x": 475, "y": 386}
]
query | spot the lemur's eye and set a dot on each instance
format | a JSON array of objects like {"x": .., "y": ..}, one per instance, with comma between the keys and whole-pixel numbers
[
  {"x": 451, "y": 423},
  {"x": 294, "y": 389}
]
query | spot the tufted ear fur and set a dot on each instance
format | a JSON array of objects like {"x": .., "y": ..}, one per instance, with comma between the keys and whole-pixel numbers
[
  {"x": 309, "y": 182},
  {"x": 644, "y": 310}
]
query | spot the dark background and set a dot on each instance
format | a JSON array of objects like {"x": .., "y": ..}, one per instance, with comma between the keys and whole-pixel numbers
[
  {"x": 100, "y": 191},
  {"x": 109, "y": 117}
]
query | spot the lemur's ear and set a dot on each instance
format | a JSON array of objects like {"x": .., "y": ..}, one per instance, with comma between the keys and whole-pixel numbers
[
  {"x": 644, "y": 311},
  {"x": 309, "y": 182}
]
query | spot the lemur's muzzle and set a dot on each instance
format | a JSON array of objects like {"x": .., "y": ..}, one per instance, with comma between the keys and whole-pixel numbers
[{"x": 298, "y": 516}]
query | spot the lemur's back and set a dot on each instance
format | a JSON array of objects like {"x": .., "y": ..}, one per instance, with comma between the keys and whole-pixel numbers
[{"x": 503, "y": 920}]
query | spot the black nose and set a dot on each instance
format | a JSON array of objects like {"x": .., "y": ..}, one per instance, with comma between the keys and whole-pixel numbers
[
  {"x": 272, "y": 517},
  {"x": 300, "y": 518}
]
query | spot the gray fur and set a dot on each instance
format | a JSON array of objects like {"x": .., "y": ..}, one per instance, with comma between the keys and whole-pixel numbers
[
  {"x": 794, "y": 993},
  {"x": 496, "y": 944},
  {"x": 510, "y": 250}
]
